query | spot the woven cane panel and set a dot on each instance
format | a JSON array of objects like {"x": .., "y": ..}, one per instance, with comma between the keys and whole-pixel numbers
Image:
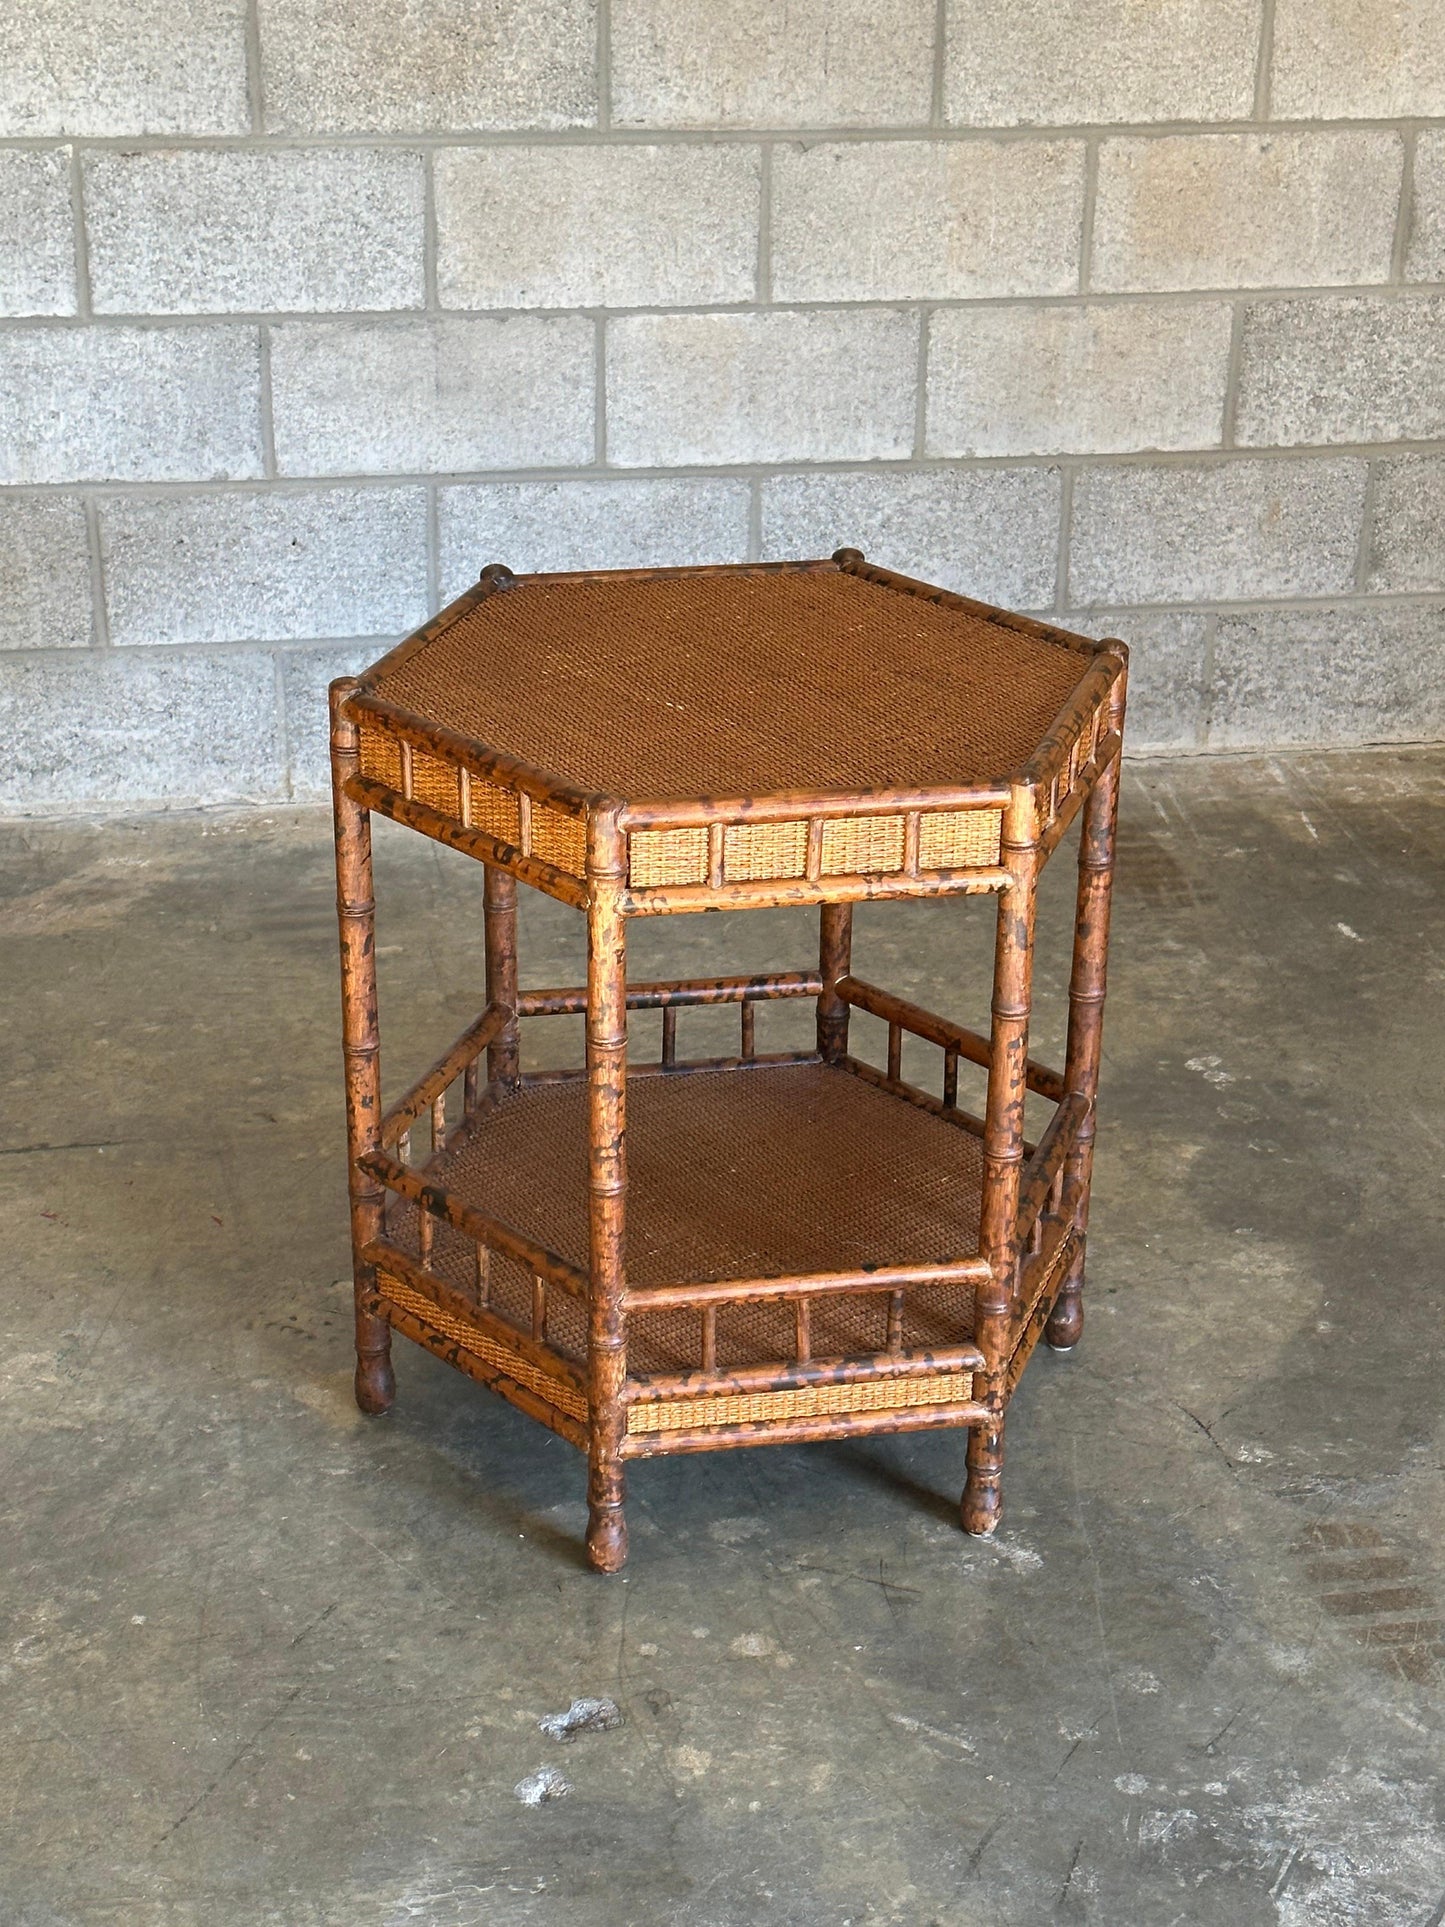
[
  {"x": 738, "y": 684},
  {"x": 667, "y": 856},
  {"x": 764, "y": 850},
  {"x": 493, "y": 809},
  {"x": 481, "y": 1345},
  {"x": 958, "y": 839},
  {"x": 380, "y": 757},
  {"x": 863, "y": 846},
  {"x": 436, "y": 783},
  {"x": 559, "y": 839},
  {"x": 805, "y": 1401}
]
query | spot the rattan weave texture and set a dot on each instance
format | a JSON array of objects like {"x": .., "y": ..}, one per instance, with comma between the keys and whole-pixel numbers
[{"x": 737, "y": 684}]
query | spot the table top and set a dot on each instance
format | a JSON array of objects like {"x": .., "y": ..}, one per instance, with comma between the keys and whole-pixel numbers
[{"x": 743, "y": 681}]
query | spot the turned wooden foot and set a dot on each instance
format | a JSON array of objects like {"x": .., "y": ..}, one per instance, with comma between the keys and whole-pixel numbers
[
  {"x": 982, "y": 1505},
  {"x": 1066, "y": 1321},
  {"x": 606, "y": 1538}
]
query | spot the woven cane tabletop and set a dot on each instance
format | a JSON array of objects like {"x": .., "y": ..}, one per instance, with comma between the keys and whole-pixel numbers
[{"x": 743, "y": 681}]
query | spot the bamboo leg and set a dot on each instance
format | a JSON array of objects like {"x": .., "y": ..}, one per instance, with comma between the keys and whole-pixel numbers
[
  {"x": 1086, "y": 1025},
  {"x": 1003, "y": 1152},
  {"x": 835, "y": 955},
  {"x": 356, "y": 913},
  {"x": 607, "y": 1170},
  {"x": 499, "y": 908}
]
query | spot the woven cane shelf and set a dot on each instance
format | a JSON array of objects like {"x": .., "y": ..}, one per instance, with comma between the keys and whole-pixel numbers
[{"x": 661, "y": 1254}]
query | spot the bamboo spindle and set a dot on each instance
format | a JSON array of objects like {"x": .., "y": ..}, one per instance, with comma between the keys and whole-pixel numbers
[
  {"x": 835, "y": 960},
  {"x": 1086, "y": 1024},
  {"x": 607, "y": 1175},
  {"x": 1003, "y": 1155},
  {"x": 356, "y": 915},
  {"x": 499, "y": 909}
]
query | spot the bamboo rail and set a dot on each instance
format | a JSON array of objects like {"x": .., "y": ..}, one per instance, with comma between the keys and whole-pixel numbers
[
  {"x": 462, "y": 1054},
  {"x": 763, "y": 987},
  {"x": 806, "y": 1284},
  {"x": 898, "y": 1011}
]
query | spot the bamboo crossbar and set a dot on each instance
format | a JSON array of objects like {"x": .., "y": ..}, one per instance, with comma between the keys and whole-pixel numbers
[
  {"x": 682, "y": 1067},
  {"x": 463, "y": 1053},
  {"x": 494, "y": 1376},
  {"x": 476, "y": 843},
  {"x": 1109, "y": 747},
  {"x": 486, "y": 1318},
  {"x": 1048, "y": 1160},
  {"x": 941, "y": 1031},
  {"x": 767, "y": 893},
  {"x": 953, "y": 1113},
  {"x": 660, "y": 996},
  {"x": 802, "y": 1431},
  {"x": 477, "y": 1225},
  {"x": 725, "y": 1291},
  {"x": 744, "y": 1381}
]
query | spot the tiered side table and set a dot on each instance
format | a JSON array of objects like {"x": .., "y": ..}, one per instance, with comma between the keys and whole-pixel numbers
[{"x": 684, "y": 1254}]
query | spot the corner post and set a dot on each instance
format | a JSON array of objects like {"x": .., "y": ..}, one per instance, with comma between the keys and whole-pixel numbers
[
  {"x": 1003, "y": 1152},
  {"x": 361, "y": 1044},
  {"x": 835, "y": 960},
  {"x": 499, "y": 912},
  {"x": 607, "y": 1176},
  {"x": 1086, "y": 1019}
]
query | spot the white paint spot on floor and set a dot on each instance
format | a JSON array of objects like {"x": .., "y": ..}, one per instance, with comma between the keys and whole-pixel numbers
[
  {"x": 1137, "y": 1680},
  {"x": 582, "y": 1716},
  {"x": 1253, "y": 1454},
  {"x": 1011, "y": 1553},
  {"x": 1210, "y": 1068},
  {"x": 647, "y": 1650},
  {"x": 911, "y": 1725},
  {"x": 1133, "y": 1784},
  {"x": 1160, "y": 1829},
  {"x": 1345, "y": 931},
  {"x": 690, "y": 1762},
  {"x": 753, "y": 1646},
  {"x": 543, "y": 1785}
]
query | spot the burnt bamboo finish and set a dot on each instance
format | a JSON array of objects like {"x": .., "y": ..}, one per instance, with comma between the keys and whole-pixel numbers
[{"x": 656, "y": 1252}]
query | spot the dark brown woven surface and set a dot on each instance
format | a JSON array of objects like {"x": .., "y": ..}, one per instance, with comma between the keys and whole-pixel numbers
[
  {"x": 732, "y": 1174},
  {"x": 738, "y": 684}
]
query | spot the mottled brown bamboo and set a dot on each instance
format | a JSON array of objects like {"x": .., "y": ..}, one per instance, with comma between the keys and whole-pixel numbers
[
  {"x": 769, "y": 893},
  {"x": 1093, "y": 689},
  {"x": 1110, "y": 747},
  {"x": 477, "y": 1225},
  {"x": 471, "y": 842},
  {"x": 690, "y": 1066},
  {"x": 489, "y": 1322},
  {"x": 1087, "y": 983},
  {"x": 607, "y": 1180},
  {"x": 462, "y": 1056},
  {"x": 1047, "y": 1162},
  {"x": 802, "y": 1431},
  {"x": 1003, "y": 1155},
  {"x": 747, "y": 1381},
  {"x": 804, "y": 1284},
  {"x": 451, "y": 1352},
  {"x": 943, "y": 1032},
  {"x": 835, "y": 960},
  {"x": 939, "y": 1107},
  {"x": 356, "y": 915},
  {"x": 951, "y": 599},
  {"x": 478, "y": 759},
  {"x": 499, "y": 910},
  {"x": 659, "y": 996}
]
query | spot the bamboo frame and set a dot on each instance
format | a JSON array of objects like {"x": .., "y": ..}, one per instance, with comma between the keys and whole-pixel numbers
[{"x": 1026, "y": 1275}]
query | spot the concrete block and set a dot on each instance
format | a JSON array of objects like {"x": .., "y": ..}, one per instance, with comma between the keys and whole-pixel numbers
[
  {"x": 130, "y": 404},
  {"x": 266, "y": 567},
  {"x": 1043, "y": 381},
  {"x": 1166, "y": 671},
  {"x": 813, "y": 63},
  {"x": 37, "y": 233},
  {"x": 1357, "y": 59},
  {"x": 1099, "y": 60},
  {"x": 195, "y": 232},
  {"x": 376, "y": 397},
  {"x": 451, "y": 66},
  {"x": 306, "y": 675},
  {"x": 589, "y": 525},
  {"x": 1407, "y": 543},
  {"x": 116, "y": 726},
  {"x": 904, "y": 220},
  {"x": 1357, "y": 369},
  {"x": 1425, "y": 255},
  {"x": 1225, "y": 531},
  {"x": 1359, "y": 673},
  {"x": 44, "y": 573},
  {"x": 991, "y": 533},
  {"x": 774, "y": 387},
  {"x": 115, "y": 67},
  {"x": 585, "y": 227},
  {"x": 1246, "y": 210}
]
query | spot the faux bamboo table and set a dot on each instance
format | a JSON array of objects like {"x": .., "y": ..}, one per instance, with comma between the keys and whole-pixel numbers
[{"x": 684, "y": 1254}]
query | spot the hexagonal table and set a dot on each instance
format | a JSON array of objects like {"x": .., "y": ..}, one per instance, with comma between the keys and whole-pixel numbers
[{"x": 692, "y": 1253}]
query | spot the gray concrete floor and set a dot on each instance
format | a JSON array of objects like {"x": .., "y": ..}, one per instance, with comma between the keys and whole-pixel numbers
[{"x": 266, "y": 1661}]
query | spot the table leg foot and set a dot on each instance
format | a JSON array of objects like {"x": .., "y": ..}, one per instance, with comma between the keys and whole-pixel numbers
[{"x": 982, "y": 1506}]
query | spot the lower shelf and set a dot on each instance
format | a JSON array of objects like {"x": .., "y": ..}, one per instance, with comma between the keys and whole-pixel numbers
[{"x": 768, "y": 1169}]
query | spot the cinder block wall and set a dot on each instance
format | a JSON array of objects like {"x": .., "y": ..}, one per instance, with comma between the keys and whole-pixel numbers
[{"x": 1133, "y": 314}]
